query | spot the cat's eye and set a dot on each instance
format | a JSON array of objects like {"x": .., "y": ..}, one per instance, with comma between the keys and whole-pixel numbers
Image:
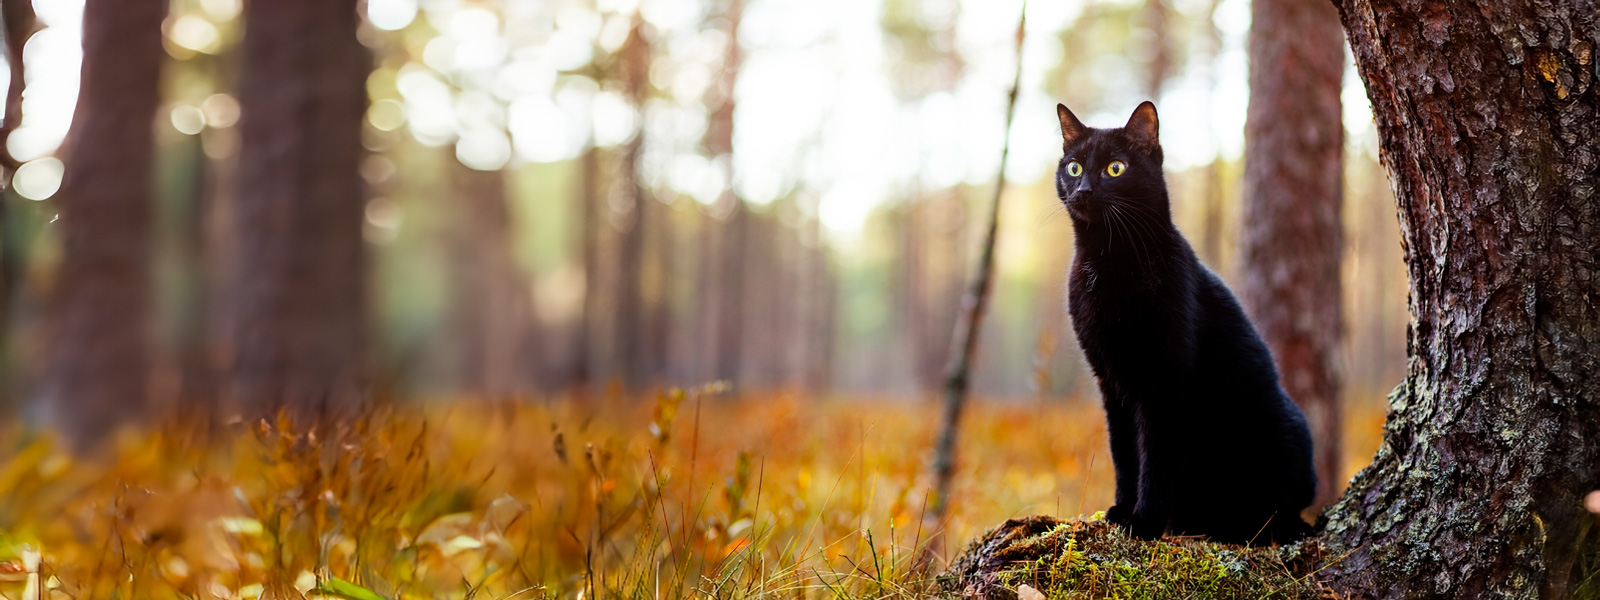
[
  {"x": 1074, "y": 169},
  {"x": 1116, "y": 168}
]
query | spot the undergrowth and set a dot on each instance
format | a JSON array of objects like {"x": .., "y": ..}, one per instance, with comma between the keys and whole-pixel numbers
[
  {"x": 686, "y": 495},
  {"x": 1089, "y": 559}
]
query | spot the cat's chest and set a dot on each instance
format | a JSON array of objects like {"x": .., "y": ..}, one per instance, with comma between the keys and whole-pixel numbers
[{"x": 1109, "y": 307}]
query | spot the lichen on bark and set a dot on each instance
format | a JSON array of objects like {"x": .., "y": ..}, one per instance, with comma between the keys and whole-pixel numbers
[{"x": 1489, "y": 124}]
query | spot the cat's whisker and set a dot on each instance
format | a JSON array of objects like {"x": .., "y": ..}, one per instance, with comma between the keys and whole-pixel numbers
[
  {"x": 1142, "y": 217},
  {"x": 1134, "y": 236},
  {"x": 1055, "y": 211},
  {"x": 1144, "y": 221},
  {"x": 1115, "y": 214}
]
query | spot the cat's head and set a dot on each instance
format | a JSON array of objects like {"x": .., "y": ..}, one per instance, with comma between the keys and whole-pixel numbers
[{"x": 1105, "y": 174}]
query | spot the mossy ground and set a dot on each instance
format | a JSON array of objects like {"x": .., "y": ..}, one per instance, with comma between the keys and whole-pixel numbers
[{"x": 1084, "y": 559}]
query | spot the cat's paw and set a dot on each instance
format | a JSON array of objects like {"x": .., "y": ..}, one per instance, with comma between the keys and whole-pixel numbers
[
  {"x": 1120, "y": 515},
  {"x": 1145, "y": 529},
  {"x": 1137, "y": 526}
]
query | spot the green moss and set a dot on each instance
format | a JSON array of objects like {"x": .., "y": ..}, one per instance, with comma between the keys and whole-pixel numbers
[{"x": 1092, "y": 560}]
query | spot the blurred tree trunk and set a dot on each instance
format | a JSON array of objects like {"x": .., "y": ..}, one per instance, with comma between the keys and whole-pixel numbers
[
  {"x": 590, "y": 197},
  {"x": 97, "y": 358},
  {"x": 491, "y": 307},
  {"x": 912, "y": 294},
  {"x": 300, "y": 287},
  {"x": 1293, "y": 193},
  {"x": 633, "y": 206},
  {"x": 1489, "y": 119},
  {"x": 20, "y": 25},
  {"x": 1157, "y": 16},
  {"x": 727, "y": 245},
  {"x": 1211, "y": 250},
  {"x": 820, "y": 310}
]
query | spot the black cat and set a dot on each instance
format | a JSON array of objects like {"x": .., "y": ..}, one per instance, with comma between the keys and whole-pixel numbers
[{"x": 1204, "y": 440}]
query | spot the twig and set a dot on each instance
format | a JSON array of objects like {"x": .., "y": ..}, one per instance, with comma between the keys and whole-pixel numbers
[{"x": 964, "y": 341}]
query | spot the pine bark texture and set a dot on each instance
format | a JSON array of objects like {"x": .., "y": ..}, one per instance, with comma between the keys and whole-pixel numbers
[
  {"x": 1487, "y": 116},
  {"x": 97, "y": 357},
  {"x": 300, "y": 287},
  {"x": 1292, "y": 245}
]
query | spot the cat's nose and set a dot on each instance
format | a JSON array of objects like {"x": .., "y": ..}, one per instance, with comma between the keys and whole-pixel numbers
[{"x": 1084, "y": 187}]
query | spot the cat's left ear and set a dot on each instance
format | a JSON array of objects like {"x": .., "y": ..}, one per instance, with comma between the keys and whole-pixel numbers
[
  {"x": 1143, "y": 128},
  {"x": 1071, "y": 128}
]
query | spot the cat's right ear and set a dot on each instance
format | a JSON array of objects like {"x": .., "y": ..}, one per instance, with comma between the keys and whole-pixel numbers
[{"x": 1071, "y": 128}]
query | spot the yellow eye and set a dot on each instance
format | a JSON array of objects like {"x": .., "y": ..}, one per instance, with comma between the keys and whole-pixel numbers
[
  {"x": 1074, "y": 169},
  {"x": 1116, "y": 168}
]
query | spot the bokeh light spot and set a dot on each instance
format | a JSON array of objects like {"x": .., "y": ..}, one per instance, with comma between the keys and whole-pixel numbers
[
  {"x": 221, "y": 110},
  {"x": 386, "y": 115},
  {"x": 188, "y": 119},
  {"x": 39, "y": 179},
  {"x": 390, "y": 15},
  {"x": 194, "y": 33}
]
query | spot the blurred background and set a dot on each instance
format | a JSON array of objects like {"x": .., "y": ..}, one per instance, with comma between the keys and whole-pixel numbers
[
  {"x": 535, "y": 230},
  {"x": 783, "y": 194}
]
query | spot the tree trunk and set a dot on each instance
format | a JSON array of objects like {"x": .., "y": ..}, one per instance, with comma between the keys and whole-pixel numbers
[
  {"x": 1487, "y": 115},
  {"x": 1157, "y": 16},
  {"x": 20, "y": 24},
  {"x": 1292, "y": 246},
  {"x": 633, "y": 207},
  {"x": 491, "y": 306},
  {"x": 300, "y": 287},
  {"x": 97, "y": 362},
  {"x": 589, "y": 199}
]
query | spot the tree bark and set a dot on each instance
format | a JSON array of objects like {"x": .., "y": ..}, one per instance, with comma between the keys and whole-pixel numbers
[
  {"x": 1292, "y": 245},
  {"x": 97, "y": 361},
  {"x": 1487, "y": 116},
  {"x": 300, "y": 287}
]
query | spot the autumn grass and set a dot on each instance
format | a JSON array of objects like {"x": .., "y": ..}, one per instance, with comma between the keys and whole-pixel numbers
[{"x": 689, "y": 494}]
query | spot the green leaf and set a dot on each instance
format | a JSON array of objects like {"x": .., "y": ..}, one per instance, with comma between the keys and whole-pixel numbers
[{"x": 340, "y": 588}]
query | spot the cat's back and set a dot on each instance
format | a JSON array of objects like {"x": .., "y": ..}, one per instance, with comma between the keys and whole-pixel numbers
[{"x": 1228, "y": 339}]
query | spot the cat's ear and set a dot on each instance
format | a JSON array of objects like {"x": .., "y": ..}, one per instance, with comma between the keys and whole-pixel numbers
[
  {"x": 1143, "y": 128},
  {"x": 1071, "y": 128}
]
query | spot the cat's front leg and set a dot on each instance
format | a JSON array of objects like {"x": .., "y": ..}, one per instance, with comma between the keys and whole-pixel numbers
[
  {"x": 1124, "y": 437},
  {"x": 1153, "y": 511}
]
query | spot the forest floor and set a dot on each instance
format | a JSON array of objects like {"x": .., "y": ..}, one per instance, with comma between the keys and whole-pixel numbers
[{"x": 683, "y": 495}]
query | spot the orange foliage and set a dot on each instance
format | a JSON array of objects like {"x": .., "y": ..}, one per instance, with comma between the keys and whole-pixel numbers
[{"x": 692, "y": 493}]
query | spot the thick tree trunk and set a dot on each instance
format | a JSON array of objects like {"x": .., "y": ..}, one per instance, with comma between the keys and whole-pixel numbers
[
  {"x": 97, "y": 361},
  {"x": 300, "y": 287},
  {"x": 1293, "y": 173},
  {"x": 1487, "y": 115}
]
